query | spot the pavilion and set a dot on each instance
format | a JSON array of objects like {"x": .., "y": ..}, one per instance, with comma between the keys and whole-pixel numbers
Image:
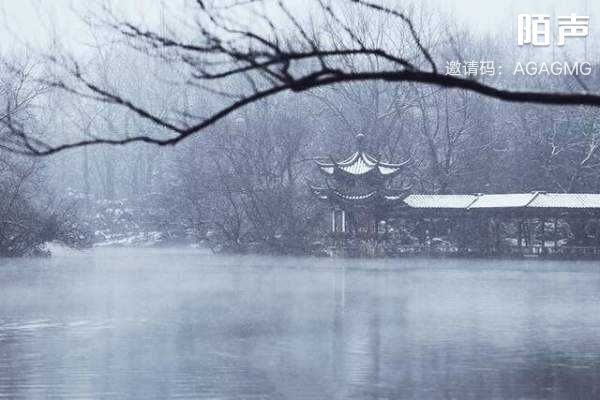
[{"x": 366, "y": 206}]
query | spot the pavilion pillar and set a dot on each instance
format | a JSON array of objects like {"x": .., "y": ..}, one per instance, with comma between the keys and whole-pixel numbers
[
  {"x": 520, "y": 235},
  {"x": 543, "y": 222},
  {"x": 555, "y": 235},
  {"x": 333, "y": 221},
  {"x": 427, "y": 232},
  {"x": 457, "y": 230},
  {"x": 463, "y": 233},
  {"x": 497, "y": 234},
  {"x": 489, "y": 240},
  {"x": 483, "y": 234}
]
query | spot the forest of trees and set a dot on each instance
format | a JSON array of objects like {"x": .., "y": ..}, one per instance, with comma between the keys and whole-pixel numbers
[{"x": 240, "y": 184}]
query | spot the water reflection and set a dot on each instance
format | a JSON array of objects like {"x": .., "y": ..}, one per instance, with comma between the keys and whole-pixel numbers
[{"x": 161, "y": 324}]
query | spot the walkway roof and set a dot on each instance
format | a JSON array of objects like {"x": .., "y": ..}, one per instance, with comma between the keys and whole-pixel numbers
[
  {"x": 533, "y": 200},
  {"x": 440, "y": 200}
]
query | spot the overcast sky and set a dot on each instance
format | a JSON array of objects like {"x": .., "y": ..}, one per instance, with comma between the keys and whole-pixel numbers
[{"x": 34, "y": 21}]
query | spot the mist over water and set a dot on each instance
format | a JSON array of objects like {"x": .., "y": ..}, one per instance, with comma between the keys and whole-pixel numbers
[{"x": 174, "y": 323}]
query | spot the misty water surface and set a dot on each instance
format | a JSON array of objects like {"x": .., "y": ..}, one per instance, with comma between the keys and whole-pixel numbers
[{"x": 183, "y": 324}]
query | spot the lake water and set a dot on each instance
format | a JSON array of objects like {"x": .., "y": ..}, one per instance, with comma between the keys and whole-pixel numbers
[{"x": 185, "y": 324}]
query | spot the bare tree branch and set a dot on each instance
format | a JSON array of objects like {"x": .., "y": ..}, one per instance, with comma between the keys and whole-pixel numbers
[{"x": 270, "y": 62}]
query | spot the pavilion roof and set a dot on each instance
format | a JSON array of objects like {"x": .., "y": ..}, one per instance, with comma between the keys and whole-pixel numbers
[
  {"x": 358, "y": 196},
  {"x": 361, "y": 163}
]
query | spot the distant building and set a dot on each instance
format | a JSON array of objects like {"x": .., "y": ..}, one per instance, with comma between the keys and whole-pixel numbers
[
  {"x": 360, "y": 191},
  {"x": 362, "y": 198}
]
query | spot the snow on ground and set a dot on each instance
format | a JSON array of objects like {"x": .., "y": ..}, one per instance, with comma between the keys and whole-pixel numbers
[
  {"x": 134, "y": 239},
  {"x": 59, "y": 249}
]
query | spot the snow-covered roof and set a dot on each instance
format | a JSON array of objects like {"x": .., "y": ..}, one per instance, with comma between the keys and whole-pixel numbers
[
  {"x": 327, "y": 169},
  {"x": 509, "y": 200},
  {"x": 353, "y": 196},
  {"x": 358, "y": 194},
  {"x": 440, "y": 200},
  {"x": 566, "y": 200},
  {"x": 394, "y": 197},
  {"x": 360, "y": 163},
  {"x": 531, "y": 200},
  {"x": 503, "y": 200}
]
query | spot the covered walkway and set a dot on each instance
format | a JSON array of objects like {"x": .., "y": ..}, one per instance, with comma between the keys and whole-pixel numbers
[{"x": 536, "y": 223}]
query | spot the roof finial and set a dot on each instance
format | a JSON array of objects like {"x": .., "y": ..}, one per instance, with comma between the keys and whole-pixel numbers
[{"x": 360, "y": 141}]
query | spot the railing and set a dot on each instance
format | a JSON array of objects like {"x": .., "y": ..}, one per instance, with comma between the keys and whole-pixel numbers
[
  {"x": 447, "y": 248},
  {"x": 361, "y": 235},
  {"x": 585, "y": 251},
  {"x": 530, "y": 251}
]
